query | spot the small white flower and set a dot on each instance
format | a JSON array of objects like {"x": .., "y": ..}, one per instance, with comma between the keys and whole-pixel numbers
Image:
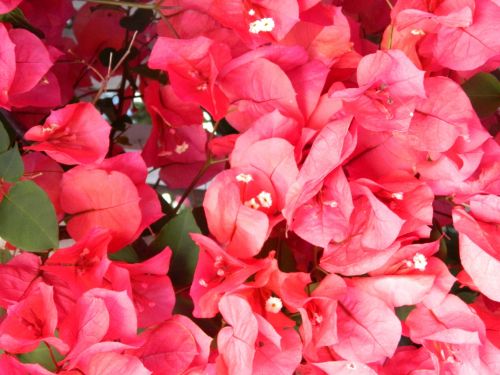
[
  {"x": 49, "y": 128},
  {"x": 332, "y": 204},
  {"x": 182, "y": 148},
  {"x": 203, "y": 283},
  {"x": 274, "y": 305},
  {"x": 251, "y": 12},
  {"x": 261, "y": 25},
  {"x": 419, "y": 261},
  {"x": 243, "y": 177},
  {"x": 265, "y": 199},
  {"x": 399, "y": 196},
  {"x": 220, "y": 272},
  {"x": 202, "y": 87},
  {"x": 417, "y": 32},
  {"x": 252, "y": 203}
]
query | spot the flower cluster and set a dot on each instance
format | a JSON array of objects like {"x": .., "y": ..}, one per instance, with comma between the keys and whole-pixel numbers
[{"x": 327, "y": 197}]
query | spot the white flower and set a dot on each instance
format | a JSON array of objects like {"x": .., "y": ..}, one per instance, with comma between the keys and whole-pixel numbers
[
  {"x": 243, "y": 177},
  {"x": 180, "y": 149},
  {"x": 261, "y": 25},
  {"x": 265, "y": 199},
  {"x": 274, "y": 305},
  {"x": 419, "y": 261}
]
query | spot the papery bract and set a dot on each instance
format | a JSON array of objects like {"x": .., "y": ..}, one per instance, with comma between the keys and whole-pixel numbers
[
  {"x": 16, "y": 277},
  {"x": 75, "y": 134},
  {"x": 368, "y": 330},
  {"x": 217, "y": 272},
  {"x": 479, "y": 256},
  {"x": 31, "y": 321},
  {"x": 103, "y": 195},
  {"x": 193, "y": 66},
  {"x": 47, "y": 174},
  {"x": 174, "y": 346},
  {"x": 152, "y": 290}
]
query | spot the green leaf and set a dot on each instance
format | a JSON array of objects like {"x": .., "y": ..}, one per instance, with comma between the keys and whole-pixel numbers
[
  {"x": 17, "y": 18},
  {"x": 127, "y": 254},
  {"x": 28, "y": 219},
  {"x": 484, "y": 93},
  {"x": 4, "y": 138},
  {"x": 41, "y": 355},
  {"x": 11, "y": 165},
  {"x": 184, "y": 251},
  {"x": 5, "y": 256},
  {"x": 403, "y": 311}
]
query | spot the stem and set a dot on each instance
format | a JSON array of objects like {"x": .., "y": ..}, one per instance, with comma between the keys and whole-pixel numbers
[
  {"x": 389, "y": 4},
  {"x": 52, "y": 357},
  {"x": 193, "y": 183},
  {"x": 110, "y": 73},
  {"x": 202, "y": 170},
  {"x": 169, "y": 25}
]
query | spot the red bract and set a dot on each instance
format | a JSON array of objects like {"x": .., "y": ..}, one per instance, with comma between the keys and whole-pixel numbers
[
  {"x": 318, "y": 192},
  {"x": 11, "y": 365},
  {"x": 193, "y": 66},
  {"x": 47, "y": 174},
  {"x": 7, "y": 5},
  {"x": 99, "y": 315},
  {"x": 104, "y": 195},
  {"x": 76, "y": 269},
  {"x": 113, "y": 363},
  {"x": 478, "y": 252},
  {"x": 31, "y": 321},
  {"x": 245, "y": 345},
  {"x": 438, "y": 122},
  {"x": 25, "y": 61},
  {"x": 389, "y": 85},
  {"x": 252, "y": 192},
  {"x": 17, "y": 276},
  {"x": 75, "y": 134},
  {"x": 176, "y": 346},
  {"x": 247, "y": 84},
  {"x": 217, "y": 272},
  {"x": 367, "y": 329},
  {"x": 152, "y": 290},
  {"x": 256, "y": 22}
]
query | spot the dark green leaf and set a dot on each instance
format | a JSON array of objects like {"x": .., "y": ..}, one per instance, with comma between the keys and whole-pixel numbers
[
  {"x": 484, "y": 93},
  {"x": 145, "y": 71},
  {"x": 468, "y": 296},
  {"x": 17, "y": 18},
  {"x": 138, "y": 21},
  {"x": 4, "y": 138},
  {"x": 225, "y": 128},
  {"x": 5, "y": 256},
  {"x": 11, "y": 165},
  {"x": 185, "y": 253},
  {"x": 403, "y": 311},
  {"x": 127, "y": 254},
  {"x": 28, "y": 219}
]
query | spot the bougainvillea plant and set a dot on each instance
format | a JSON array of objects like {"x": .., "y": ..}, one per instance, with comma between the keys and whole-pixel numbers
[{"x": 249, "y": 187}]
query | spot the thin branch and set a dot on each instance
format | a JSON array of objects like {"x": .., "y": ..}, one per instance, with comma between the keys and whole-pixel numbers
[
  {"x": 104, "y": 84},
  {"x": 389, "y": 4},
  {"x": 169, "y": 25},
  {"x": 191, "y": 186},
  {"x": 132, "y": 4},
  {"x": 52, "y": 357}
]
